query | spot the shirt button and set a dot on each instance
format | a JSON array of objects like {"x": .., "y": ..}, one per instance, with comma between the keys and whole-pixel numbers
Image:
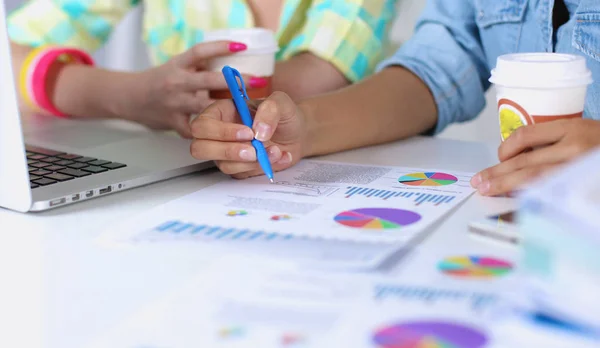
[{"x": 481, "y": 14}]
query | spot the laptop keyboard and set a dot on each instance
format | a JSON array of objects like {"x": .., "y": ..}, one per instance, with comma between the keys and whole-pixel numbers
[{"x": 48, "y": 167}]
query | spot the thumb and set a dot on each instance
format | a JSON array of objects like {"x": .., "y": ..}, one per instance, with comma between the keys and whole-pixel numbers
[{"x": 278, "y": 108}]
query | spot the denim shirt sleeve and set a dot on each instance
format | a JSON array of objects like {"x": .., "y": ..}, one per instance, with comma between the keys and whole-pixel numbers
[{"x": 446, "y": 53}]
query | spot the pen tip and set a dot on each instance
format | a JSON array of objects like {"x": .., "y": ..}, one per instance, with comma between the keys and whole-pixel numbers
[{"x": 272, "y": 181}]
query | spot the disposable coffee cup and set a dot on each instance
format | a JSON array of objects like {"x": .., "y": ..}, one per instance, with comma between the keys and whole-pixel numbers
[
  {"x": 539, "y": 87},
  {"x": 258, "y": 60}
]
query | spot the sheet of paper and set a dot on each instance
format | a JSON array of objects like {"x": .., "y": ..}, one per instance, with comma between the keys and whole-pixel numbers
[
  {"x": 316, "y": 199},
  {"x": 243, "y": 303}
]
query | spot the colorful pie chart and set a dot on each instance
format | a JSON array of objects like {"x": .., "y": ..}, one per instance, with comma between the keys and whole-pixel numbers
[
  {"x": 377, "y": 218},
  {"x": 475, "y": 267},
  {"x": 429, "y": 334},
  {"x": 428, "y": 179}
]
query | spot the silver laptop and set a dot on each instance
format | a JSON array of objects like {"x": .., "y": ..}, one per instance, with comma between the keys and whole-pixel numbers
[{"x": 47, "y": 162}]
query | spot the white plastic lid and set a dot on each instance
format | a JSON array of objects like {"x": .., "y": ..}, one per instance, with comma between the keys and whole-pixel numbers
[
  {"x": 258, "y": 40},
  {"x": 541, "y": 70}
]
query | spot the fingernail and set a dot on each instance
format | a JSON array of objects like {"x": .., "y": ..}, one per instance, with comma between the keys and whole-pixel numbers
[
  {"x": 484, "y": 188},
  {"x": 274, "y": 153},
  {"x": 476, "y": 181},
  {"x": 248, "y": 155},
  {"x": 286, "y": 159},
  {"x": 262, "y": 131},
  {"x": 244, "y": 134},
  {"x": 237, "y": 47},
  {"x": 258, "y": 82}
]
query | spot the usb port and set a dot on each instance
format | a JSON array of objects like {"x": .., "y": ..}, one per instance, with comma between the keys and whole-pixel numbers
[
  {"x": 75, "y": 197},
  {"x": 107, "y": 189},
  {"x": 58, "y": 202},
  {"x": 89, "y": 194}
]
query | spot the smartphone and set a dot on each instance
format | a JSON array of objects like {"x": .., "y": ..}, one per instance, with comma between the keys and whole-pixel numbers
[{"x": 500, "y": 228}]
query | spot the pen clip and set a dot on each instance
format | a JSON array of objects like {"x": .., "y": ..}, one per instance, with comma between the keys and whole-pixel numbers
[{"x": 240, "y": 82}]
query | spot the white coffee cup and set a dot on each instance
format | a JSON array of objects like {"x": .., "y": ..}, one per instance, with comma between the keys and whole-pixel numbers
[
  {"x": 257, "y": 60},
  {"x": 539, "y": 87}
]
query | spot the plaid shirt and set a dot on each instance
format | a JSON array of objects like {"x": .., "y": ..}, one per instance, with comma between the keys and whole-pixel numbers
[{"x": 349, "y": 34}]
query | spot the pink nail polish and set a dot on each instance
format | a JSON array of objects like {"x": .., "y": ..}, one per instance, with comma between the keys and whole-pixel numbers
[
  {"x": 237, "y": 47},
  {"x": 258, "y": 82}
]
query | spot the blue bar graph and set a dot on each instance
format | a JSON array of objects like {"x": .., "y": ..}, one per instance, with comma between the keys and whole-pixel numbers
[
  {"x": 418, "y": 197},
  {"x": 177, "y": 228}
]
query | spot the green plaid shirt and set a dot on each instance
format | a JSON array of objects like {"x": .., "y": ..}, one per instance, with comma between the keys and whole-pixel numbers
[{"x": 349, "y": 34}]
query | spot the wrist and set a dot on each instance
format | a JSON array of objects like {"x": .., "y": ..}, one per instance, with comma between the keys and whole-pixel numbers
[
  {"x": 62, "y": 87},
  {"x": 127, "y": 96},
  {"x": 90, "y": 92}
]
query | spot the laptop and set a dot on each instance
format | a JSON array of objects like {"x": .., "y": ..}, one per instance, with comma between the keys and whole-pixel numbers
[{"x": 48, "y": 162}]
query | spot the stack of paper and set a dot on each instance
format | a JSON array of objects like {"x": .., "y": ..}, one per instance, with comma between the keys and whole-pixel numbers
[
  {"x": 561, "y": 243},
  {"x": 241, "y": 303}
]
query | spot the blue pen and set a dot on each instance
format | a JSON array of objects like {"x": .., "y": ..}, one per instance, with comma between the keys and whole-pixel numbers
[{"x": 238, "y": 91}]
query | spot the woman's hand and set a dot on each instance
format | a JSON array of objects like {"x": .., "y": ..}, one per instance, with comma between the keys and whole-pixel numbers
[
  {"x": 534, "y": 150},
  {"x": 164, "y": 97},
  {"x": 220, "y": 136}
]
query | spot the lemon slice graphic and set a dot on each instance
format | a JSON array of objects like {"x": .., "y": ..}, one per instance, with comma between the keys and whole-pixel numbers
[{"x": 510, "y": 120}]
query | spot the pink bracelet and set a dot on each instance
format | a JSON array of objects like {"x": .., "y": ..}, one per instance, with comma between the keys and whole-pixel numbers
[
  {"x": 25, "y": 87},
  {"x": 37, "y": 74}
]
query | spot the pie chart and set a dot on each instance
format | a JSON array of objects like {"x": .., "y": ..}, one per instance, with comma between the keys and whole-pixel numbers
[
  {"x": 428, "y": 179},
  {"x": 429, "y": 334},
  {"x": 377, "y": 218},
  {"x": 475, "y": 267}
]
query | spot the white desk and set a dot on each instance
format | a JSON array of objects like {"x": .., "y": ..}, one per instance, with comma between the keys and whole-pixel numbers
[{"x": 53, "y": 270}]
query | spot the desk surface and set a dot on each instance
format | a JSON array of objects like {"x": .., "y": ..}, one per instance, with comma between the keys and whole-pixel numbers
[{"x": 54, "y": 270}]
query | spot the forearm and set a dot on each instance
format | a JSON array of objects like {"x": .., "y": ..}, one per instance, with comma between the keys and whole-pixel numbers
[
  {"x": 306, "y": 75},
  {"x": 81, "y": 91},
  {"x": 89, "y": 92},
  {"x": 391, "y": 105}
]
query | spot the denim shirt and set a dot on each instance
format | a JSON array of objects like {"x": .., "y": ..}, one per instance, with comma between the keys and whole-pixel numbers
[{"x": 456, "y": 44}]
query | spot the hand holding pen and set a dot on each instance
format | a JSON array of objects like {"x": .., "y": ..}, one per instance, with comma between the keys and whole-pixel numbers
[
  {"x": 237, "y": 88},
  {"x": 221, "y": 136}
]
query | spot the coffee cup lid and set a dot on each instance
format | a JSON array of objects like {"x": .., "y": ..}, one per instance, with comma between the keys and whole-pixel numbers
[
  {"x": 258, "y": 40},
  {"x": 541, "y": 70}
]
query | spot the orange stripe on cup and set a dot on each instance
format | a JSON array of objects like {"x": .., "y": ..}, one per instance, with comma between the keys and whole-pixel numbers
[{"x": 542, "y": 119}]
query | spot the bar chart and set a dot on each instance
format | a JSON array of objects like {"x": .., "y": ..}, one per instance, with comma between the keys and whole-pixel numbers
[
  {"x": 418, "y": 198},
  {"x": 330, "y": 253},
  {"x": 176, "y": 229}
]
